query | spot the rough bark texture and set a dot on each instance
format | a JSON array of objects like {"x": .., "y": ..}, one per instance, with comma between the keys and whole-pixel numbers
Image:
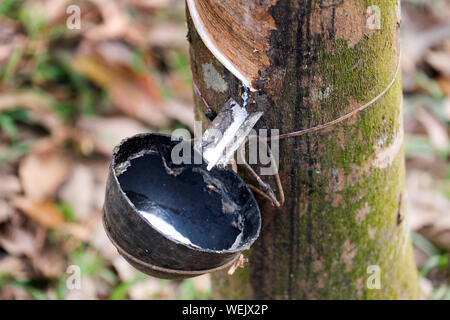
[{"x": 344, "y": 186}]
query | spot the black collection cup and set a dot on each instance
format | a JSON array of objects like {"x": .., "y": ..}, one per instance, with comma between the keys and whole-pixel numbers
[{"x": 176, "y": 221}]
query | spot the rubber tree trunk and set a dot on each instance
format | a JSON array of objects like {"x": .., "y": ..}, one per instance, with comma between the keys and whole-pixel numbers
[{"x": 344, "y": 186}]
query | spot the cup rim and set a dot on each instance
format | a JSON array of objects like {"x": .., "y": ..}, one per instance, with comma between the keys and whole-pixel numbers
[{"x": 238, "y": 249}]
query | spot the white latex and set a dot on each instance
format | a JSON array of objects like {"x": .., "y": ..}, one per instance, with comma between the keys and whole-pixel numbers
[
  {"x": 165, "y": 228},
  {"x": 235, "y": 124},
  {"x": 212, "y": 155}
]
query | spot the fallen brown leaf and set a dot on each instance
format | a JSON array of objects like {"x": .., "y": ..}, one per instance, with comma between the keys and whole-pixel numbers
[
  {"x": 10, "y": 38},
  {"x": 18, "y": 241},
  {"x": 13, "y": 267},
  {"x": 5, "y": 210},
  {"x": 106, "y": 133},
  {"x": 125, "y": 271},
  {"x": 116, "y": 24},
  {"x": 436, "y": 131},
  {"x": 428, "y": 209},
  {"x": 9, "y": 185},
  {"x": 10, "y": 292},
  {"x": 50, "y": 263},
  {"x": 444, "y": 85},
  {"x": 99, "y": 169},
  {"x": 439, "y": 234},
  {"x": 447, "y": 108},
  {"x": 78, "y": 192},
  {"x": 167, "y": 35},
  {"x": 27, "y": 99},
  {"x": 416, "y": 43},
  {"x": 440, "y": 61},
  {"x": 99, "y": 240},
  {"x": 38, "y": 106},
  {"x": 145, "y": 289},
  {"x": 113, "y": 52},
  {"x": 151, "y": 4},
  {"x": 78, "y": 231},
  {"x": 181, "y": 112},
  {"x": 203, "y": 283},
  {"x": 41, "y": 173},
  {"x": 130, "y": 94},
  {"x": 44, "y": 213},
  {"x": 426, "y": 287}
]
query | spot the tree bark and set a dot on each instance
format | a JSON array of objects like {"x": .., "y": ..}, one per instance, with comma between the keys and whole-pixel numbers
[{"x": 344, "y": 185}]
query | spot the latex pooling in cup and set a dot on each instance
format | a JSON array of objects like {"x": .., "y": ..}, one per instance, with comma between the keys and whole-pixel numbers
[{"x": 190, "y": 207}]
